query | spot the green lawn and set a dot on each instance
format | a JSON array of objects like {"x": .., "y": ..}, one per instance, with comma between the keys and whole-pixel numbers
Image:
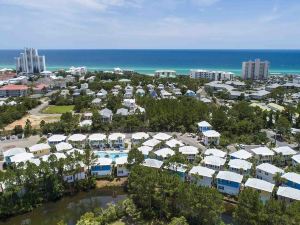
[{"x": 54, "y": 109}]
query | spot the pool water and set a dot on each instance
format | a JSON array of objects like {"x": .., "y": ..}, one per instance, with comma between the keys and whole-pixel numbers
[{"x": 111, "y": 154}]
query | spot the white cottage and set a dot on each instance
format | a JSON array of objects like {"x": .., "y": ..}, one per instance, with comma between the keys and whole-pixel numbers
[
  {"x": 267, "y": 172},
  {"x": 202, "y": 176},
  {"x": 121, "y": 165},
  {"x": 264, "y": 188},
  {"x": 97, "y": 141}
]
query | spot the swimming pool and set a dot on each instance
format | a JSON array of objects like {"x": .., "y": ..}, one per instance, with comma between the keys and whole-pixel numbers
[{"x": 112, "y": 154}]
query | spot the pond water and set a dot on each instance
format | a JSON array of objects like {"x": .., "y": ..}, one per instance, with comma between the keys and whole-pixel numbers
[{"x": 68, "y": 209}]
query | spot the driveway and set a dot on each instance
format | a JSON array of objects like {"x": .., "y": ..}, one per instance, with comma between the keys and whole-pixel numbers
[{"x": 271, "y": 135}]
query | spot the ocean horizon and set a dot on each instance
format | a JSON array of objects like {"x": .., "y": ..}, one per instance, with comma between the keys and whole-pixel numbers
[{"x": 146, "y": 61}]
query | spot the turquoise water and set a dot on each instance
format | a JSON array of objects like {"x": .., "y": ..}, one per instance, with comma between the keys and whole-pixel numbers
[
  {"x": 111, "y": 155},
  {"x": 147, "y": 61}
]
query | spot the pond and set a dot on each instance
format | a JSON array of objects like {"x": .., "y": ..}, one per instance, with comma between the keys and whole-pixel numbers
[{"x": 68, "y": 209}]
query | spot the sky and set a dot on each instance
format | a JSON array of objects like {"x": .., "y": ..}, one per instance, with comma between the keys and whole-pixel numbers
[{"x": 150, "y": 24}]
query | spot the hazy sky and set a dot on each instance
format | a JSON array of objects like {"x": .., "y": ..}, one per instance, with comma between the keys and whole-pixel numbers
[{"x": 177, "y": 24}]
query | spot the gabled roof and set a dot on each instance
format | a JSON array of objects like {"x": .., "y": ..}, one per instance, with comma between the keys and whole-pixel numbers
[
  {"x": 259, "y": 184},
  {"x": 39, "y": 147},
  {"x": 106, "y": 112},
  {"x": 77, "y": 137},
  {"x": 13, "y": 151},
  {"x": 121, "y": 160},
  {"x": 22, "y": 157},
  {"x": 188, "y": 150},
  {"x": 285, "y": 150},
  {"x": 230, "y": 176},
  {"x": 152, "y": 142},
  {"x": 265, "y": 151},
  {"x": 178, "y": 167},
  {"x": 211, "y": 133},
  {"x": 215, "y": 152},
  {"x": 267, "y": 167},
  {"x": 104, "y": 161},
  {"x": 164, "y": 152},
  {"x": 116, "y": 136},
  {"x": 57, "y": 138},
  {"x": 289, "y": 192},
  {"x": 202, "y": 171},
  {"x": 241, "y": 154},
  {"x": 291, "y": 176},
  {"x": 145, "y": 149},
  {"x": 97, "y": 137},
  {"x": 122, "y": 112},
  {"x": 214, "y": 160},
  {"x": 57, "y": 154},
  {"x": 173, "y": 143},
  {"x": 63, "y": 146},
  {"x": 140, "y": 136},
  {"x": 162, "y": 136},
  {"x": 240, "y": 164},
  {"x": 153, "y": 163},
  {"x": 204, "y": 124},
  {"x": 296, "y": 158}
]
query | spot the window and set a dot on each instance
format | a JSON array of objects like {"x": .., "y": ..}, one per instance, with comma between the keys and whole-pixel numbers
[{"x": 221, "y": 187}]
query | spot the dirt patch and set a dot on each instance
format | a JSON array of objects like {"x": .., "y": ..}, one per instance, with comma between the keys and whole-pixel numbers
[
  {"x": 117, "y": 182},
  {"x": 34, "y": 119}
]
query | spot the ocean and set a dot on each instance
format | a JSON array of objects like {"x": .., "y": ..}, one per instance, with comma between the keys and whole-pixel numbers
[{"x": 147, "y": 61}]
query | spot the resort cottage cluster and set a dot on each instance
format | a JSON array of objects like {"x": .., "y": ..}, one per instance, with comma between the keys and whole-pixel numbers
[{"x": 230, "y": 169}]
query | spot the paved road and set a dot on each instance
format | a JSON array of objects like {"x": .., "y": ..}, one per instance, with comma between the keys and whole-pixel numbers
[
  {"x": 271, "y": 135},
  {"x": 21, "y": 143},
  {"x": 37, "y": 111}
]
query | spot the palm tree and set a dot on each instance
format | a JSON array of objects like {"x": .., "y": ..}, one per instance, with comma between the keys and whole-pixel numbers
[{"x": 278, "y": 179}]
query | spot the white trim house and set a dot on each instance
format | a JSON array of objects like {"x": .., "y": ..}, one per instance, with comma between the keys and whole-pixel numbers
[
  {"x": 292, "y": 180},
  {"x": 204, "y": 126},
  {"x": 267, "y": 172},
  {"x": 162, "y": 136},
  {"x": 190, "y": 152},
  {"x": 240, "y": 166},
  {"x": 40, "y": 149},
  {"x": 97, "y": 141},
  {"x": 296, "y": 160},
  {"x": 264, "y": 188},
  {"x": 173, "y": 143},
  {"x": 215, "y": 152},
  {"x": 214, "y": 162},
  {"x": 77, "y": 140},
  {"x": 286, "y": 151},
  {"x": 288, "y": 194},
  {"x": 153, "y": 163},
  {"x": 241, "y": 154},
  {"x": 63, "y": 146},
  {"x": 202, "y": 176},
  {"x": 211, "y": 137},
  {"x": 263, "y": 154},
  {"x": 164, "y": 153},
  {"x": 103, "y": 167},
  {"x": 139, "y": 137},
  {"x": 56, "y": 138},
  {"x": 121, "y": 165},
  {"x": 229, "y": 182},
  {"x": 117, "y": 141}
]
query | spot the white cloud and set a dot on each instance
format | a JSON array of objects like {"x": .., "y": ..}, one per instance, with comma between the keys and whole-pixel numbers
[
  {"x": 69, "y": 5},
  {"x": 204, "y": 2}
]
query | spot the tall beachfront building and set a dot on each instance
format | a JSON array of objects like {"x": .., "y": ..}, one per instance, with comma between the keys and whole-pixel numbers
[
  {"x": 211, "y": 75},
  {"x": 255, "y": 70},
  {"x": 30, "y": 62}
]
